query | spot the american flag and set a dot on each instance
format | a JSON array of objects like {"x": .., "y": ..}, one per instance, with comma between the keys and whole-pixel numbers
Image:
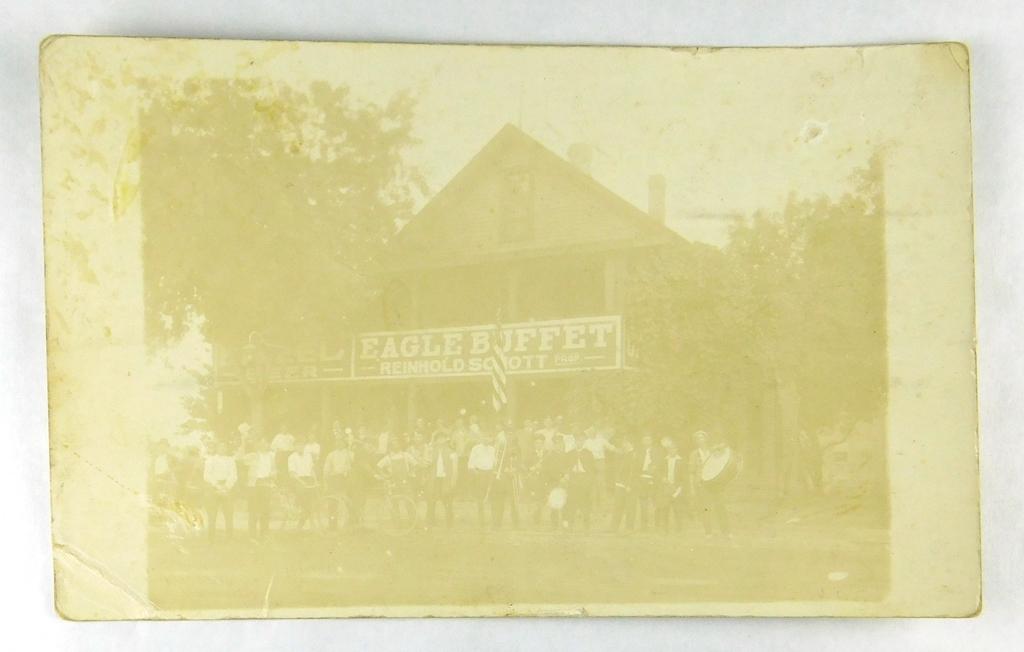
[{"x": 499, "y": 369}]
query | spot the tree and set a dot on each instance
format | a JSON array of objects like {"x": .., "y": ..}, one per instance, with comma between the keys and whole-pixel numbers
[
  {"x": 793, "y": 310},
  {"x": 682, "y": 334},
  {"x": 815, "y": 278},
  {"x": 265, "y": 207}
]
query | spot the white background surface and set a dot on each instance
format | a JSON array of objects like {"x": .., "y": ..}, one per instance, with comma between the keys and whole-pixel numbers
[{"x": 993, "y": 30}]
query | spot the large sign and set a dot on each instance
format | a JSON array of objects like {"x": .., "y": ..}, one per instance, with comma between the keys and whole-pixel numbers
[
  {"x": 529, "y": 348},
  {"x": 535, "y": 347},
  {"x": 269, "y": 364}
]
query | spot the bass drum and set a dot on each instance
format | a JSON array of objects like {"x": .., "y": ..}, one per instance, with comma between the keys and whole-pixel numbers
[
  {"x": 557, "y": 498},
  {"x": 720, "y": 468}
]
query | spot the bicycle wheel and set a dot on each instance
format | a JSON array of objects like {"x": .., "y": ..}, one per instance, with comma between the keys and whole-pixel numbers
[
  {"x": 334, "y": 512},
  {"x": 286, "y": 510}
]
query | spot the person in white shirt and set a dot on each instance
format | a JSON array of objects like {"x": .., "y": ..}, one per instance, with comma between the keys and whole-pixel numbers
[
  {"x": 283, "y": 441},
  {"x": 482, "y": 458},
  {"x": 384, "y": 442},
  {"x": 548, "y": 433},
  {"x": 282, "y": 445},
  {"x": 337, "y": 466},
  {"x": 220, "y": 473},
  {"x": 301, "y": 467},
  {"x": 365, "y": 439},
  {"x": 568, "y": 441},
  {"x": 311, "y": 445},
  {"x": 302, "y": 471},
  {"x": 259, "y": 464},
  {"x": 336, "y": 473}
]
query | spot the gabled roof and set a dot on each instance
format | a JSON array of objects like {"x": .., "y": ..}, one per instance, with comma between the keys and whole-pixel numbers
[{"x": 571, "y": 212}]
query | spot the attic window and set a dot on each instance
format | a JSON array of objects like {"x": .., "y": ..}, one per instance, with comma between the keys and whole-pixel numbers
[{"x": 516, "y": 206}]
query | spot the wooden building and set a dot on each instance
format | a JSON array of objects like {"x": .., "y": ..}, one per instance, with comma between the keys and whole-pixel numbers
[
  {"x": 519, "y": 236},
  {"x": 521, "y": 241}
]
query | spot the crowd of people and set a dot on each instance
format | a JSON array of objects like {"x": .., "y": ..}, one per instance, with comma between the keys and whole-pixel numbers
[{"x": 539, "y": 474}]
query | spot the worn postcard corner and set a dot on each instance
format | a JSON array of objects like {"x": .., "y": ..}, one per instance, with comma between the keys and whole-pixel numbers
[{"x": 353, "y": 329}]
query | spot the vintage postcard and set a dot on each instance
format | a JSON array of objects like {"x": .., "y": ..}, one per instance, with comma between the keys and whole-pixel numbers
[{"x": 350, "y": 329}]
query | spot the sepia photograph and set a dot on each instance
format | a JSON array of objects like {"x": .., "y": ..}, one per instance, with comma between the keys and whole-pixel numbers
[{"x": 464, "y": 330}]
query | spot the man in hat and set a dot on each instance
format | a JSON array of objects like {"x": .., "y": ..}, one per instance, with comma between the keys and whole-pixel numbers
[
  {"x": 482, "y": 459},
  {"x": 538, "y": 480},
  {"x": 623, "y": 488},
  {"x": 442, "y": 475},
  {"x": 595, "y": 442},
  {"x": 398, "y": 465},
  {"x": 220, "y": 473},
  {"x": 303, "y": 477},
  {"x": 648, "y": 461},
  {"x": 259, "y": 463},
  {"x": 708, "y": 498},
  {"x": 582, "y": 474},
  {"x": 397, "y": 469},
  {"x": 460, "y": 442},
  {"x": 420, "y": 455},
  {"x": 504, "y": 487},
  {"x": 672, "y": 478}
]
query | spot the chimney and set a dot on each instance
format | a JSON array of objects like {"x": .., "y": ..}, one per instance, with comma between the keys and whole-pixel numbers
[
  {"x": 656, "y": 197},
  {"x": 580, "y": 155}
]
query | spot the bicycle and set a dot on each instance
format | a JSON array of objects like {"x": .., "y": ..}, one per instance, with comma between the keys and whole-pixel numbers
[
  {"x": 335, "y": 511},
  {"x": 403, "y": 507},
  {"x": 290, "y": 510}
]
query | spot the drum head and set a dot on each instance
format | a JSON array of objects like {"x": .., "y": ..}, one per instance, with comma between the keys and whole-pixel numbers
[
  {"x": 556, "y": 499},
  {"x": 715, "y": 464}
]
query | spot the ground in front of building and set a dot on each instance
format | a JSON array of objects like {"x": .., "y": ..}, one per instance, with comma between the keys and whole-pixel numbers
[{"x": 815, "y": 554}]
